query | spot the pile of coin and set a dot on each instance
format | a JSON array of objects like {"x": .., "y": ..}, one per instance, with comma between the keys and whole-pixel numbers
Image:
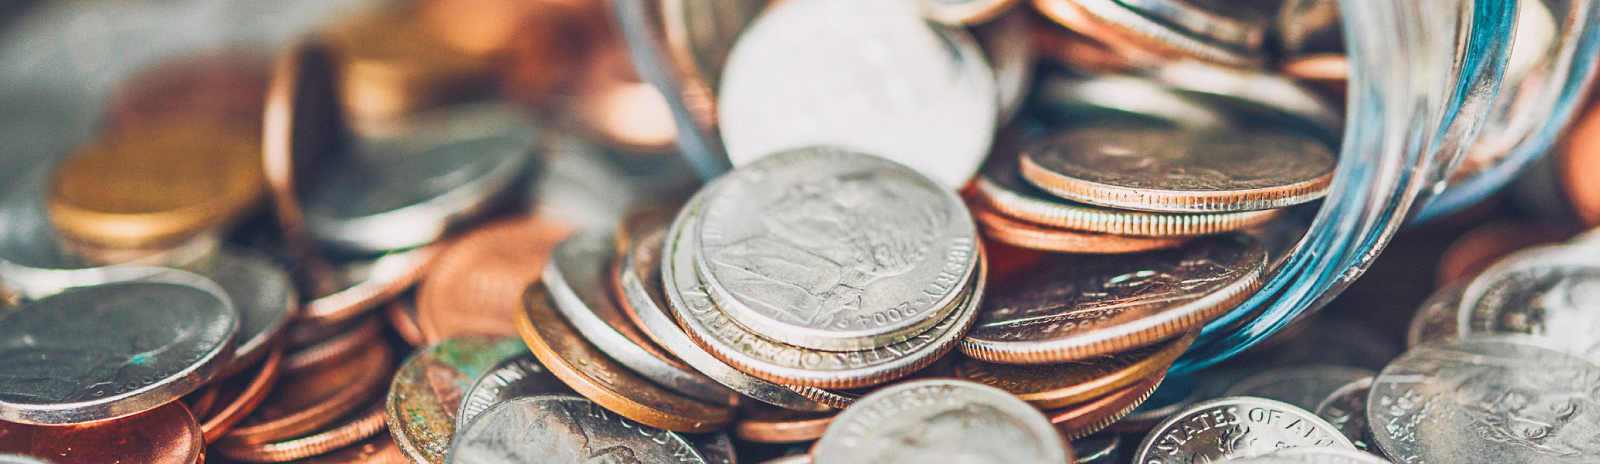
[{"x": 459, "y": 231}]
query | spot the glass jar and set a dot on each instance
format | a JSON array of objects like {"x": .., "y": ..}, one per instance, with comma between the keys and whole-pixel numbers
[{"x": 1433, "y": 84}]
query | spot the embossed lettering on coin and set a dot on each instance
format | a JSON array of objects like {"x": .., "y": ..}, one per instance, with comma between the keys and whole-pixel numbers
[{"x": 1235, "y": 427}]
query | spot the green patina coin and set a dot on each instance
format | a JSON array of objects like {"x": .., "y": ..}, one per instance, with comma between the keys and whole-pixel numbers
[{"x": 427, "y": 392}]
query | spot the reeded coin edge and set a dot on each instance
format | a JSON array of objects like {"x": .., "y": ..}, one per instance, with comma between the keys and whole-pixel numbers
[
  {"x": 1174, "y": 201},
  {"x": 1044, "y": 212}
]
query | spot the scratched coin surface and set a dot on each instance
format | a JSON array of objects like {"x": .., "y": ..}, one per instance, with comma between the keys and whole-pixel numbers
[
  {"x": 1180, "y": 170},
  {"x": 512, "y": 378},
  {"x": 1302, "y": 386},
  {"x": 940, "y": 420},
  {"x": 870, "y": 75},
  {"x": 111, "y": 350},
  {"x": 429, "y": 387},
  {"x": 1051, "y": 386},
  {"x": 1074, "y": 307},
  {"x": 1346, "y": 409},
  {"x": 565, "y": 429},
  {"x": 1234, "y": 428},
  {"x": 830, "y": 249},
  {"x": 1487, "y": 399},
  {"x": 1537, "y": 292}
]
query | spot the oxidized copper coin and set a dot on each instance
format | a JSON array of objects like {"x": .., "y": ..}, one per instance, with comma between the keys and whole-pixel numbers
[
  {"x": 1052, "y": 386},
  {"x": 359, "y": 427},
  {"x": 1480, "y": 247},
  {"x": 164, "y": 435},
  {"x": 1076, "y": 307},
  {"x": 1090, "y": 417},
  {"x": 249, "y": 396},
  {"x": 402, "y": 315},
  {"x": 583, "y": 367},
  {"x": 376, "y": 450},
  {"x": 428, "y": 389},
  {"x": 304, "y": 402},
  {"x": 475, "y": 287},
  {"x": 1016, "y": 233},
  {"x": 764, "y": 423}
]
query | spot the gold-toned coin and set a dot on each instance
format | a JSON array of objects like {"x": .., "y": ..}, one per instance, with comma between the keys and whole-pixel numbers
[
  {"x": 1053, "y": 386},
  {"x": 583, "y": 367},
  {"x": 156, "y": 187},
  {"x": 999, "y": 227},
  {"x": 428, "y": 389},
  {"x": 389, "y": 65}
]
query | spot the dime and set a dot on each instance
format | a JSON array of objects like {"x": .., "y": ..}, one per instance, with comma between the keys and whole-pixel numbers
[
  {"x": 243, "y": 394},
  {"x": 1100, "y": 448},
  {"x": 1093, "y": 416},
  {"x": 303, "y": 402},
  {"x": 165, "y": 435},
  {"x": 264, "y": 297},
  {"x": 477, "y": 283},
  {"x": 1314, "y": 455},
  {"x": 1437, "y": 318},
  {"x": 514, "y": 377},
  {"x": 799, "y": 76},
  {"x": 428, "y": 389},
  {"x": 586, "y": 369},
  {"x": 644, "y": 293},
  {"x": 829, "y": 249},
  {"x": 940, "y": 420},
  {"x": 1486, "y": 399},
  {"x": 706, "y": 324},
  {"x": 1003, "y": 229},
  {"x": 1000, "y": 186},
  {"x": 767, "y": 424},
  {"x": 1545, "y": 292},
  {"x": 1303, "y": 387},
  {"x": 360, "y": 427},
  {"x": 1233, "y": 428},
  {"x": 1346, "y": 409},
  {"x": 1076, "y": 307},
  {"x": 1180, "y": 170},
  {"x": 1053, "y": 386},
  {"x": 1129, "y": 31},
  {"x": 575, "y": 277},
  {"x": 965, "y": 12},
  {"x": 565, "y": 429},
  {"x": 399, "y": 191},
  {"x": 130, "y": 347}
]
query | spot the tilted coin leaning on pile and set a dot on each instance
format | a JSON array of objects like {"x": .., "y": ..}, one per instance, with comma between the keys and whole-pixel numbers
[{"x": 927, "y": 231}]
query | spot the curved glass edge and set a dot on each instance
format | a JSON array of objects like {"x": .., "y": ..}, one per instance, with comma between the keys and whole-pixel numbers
[
  {"x": 702, "y": 147},
  {"x": 1421, "y": 74}
]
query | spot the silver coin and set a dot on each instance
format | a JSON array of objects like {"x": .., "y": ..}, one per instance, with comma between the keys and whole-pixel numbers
[
  {"x": 576, "y": 275},
  {"x": 829, "y": 249},
  {"x": 1346, "y": 409},
  {"x": 1302, "y": 386},
  {"x": 715, "y": 447},
  {"x": 264, "y": 297},
  {"x": 871, "y": 75},
  {"x": 1154, "y": 30},
  {"x": 1100, "y": 448},
  {"x": 1436, "y": 320},
  {"x": 644, "y": 292},
  {"x": 564, "y": 429},
  {"x": 1235, "y": 24},
  {"x": 512, "y": 378},
  {"x": 111, "y": 350},
  {"x": 407, "y": 188},
  {"x": 1549, "y": 292},
  {"x": 1233, "y": 428},
  {"x": 943, "y": 421},
  {"x": 1008, "y": 44},
  {"x": 1487, "y": 399},
  {"x": 1316, "y": 455}
]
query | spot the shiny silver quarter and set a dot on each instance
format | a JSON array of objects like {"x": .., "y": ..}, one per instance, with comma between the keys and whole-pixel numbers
[
  {"x": 1547, "y": 292},
  {"x": 1233, "y": 428},
  {"x": 940, "y": 420}
]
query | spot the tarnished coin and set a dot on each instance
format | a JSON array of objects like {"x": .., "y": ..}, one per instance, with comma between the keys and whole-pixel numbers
[
  {"x": 1233, "y": 428},
  {"x": 715, "y": 447},
  {"x": 1180, "y": 170},
  {"x": 1546, "y": 292},
  {"x": 1075, "y": 307},
  {"x": 1437, "y": 318},
  {"x": 514, "y": 377},
  {"x": 303, "y": 402},
  {"x": 643, "y": 288},
  {"x": 1302, "y": 386},
  {"x": 870, "y": 75},
  {"x": 1486, "y": 399},
  {"x": 767, "y": 424},
  {"x": 1095, "y": 415},
  {"x": 712, "y": 330},
  {"x": 429, "y": 387},
  {"x": 565, "y": 429},
  {"x": 94, "y": 353},
  {"x": 575, "y": 277},
  {"x": 1003, "y": 229},
  {"x": 404, "y": 190},
  {"x": 264, "y": 297},
  {"x": 588, "y": 370},
  {"x": 830, "y": 249},
  {"x": 1316, "y": 455},
  {"x": 1346, "y": 409},
  {"x": 476, "y": 285},
  {"x": 1051, "y": 386},
  {"x": 940, "y": 420},
  {"x": 964, "y": 12},
  {"x": 164, "y": 435}
]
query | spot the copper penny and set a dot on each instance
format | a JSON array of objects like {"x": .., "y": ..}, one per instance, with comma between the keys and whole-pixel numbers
[
  {"x": 1578, "y": 159},
  {"x": 1090, "y": 417},
  {"x": 428, "y": 389},
  {"x": 1053, "y": 386},
  {"x": 1482, "y": 246},
  {"x": 368, "y": 284},
  {"x": 164, "y": 435},
  {"x": 235, "y": 405},
  {"x": 1082, "y": 53},
  {"x": 402, "y": 315},
  {"x": 476, "y": 286},
  {"x": 594, "y": 375},
  {"x": 764, "y": 423},
  {"x": 360, "y": 426},
  {"x": 337, "y": 348},
  {"x": 304, "y": 402},
  {"x": 201, "y": 401},
  {"x": 376, "y": 450},
  {"x": 228, "y": 86},
  {"x": 1016, "y": 233}
]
